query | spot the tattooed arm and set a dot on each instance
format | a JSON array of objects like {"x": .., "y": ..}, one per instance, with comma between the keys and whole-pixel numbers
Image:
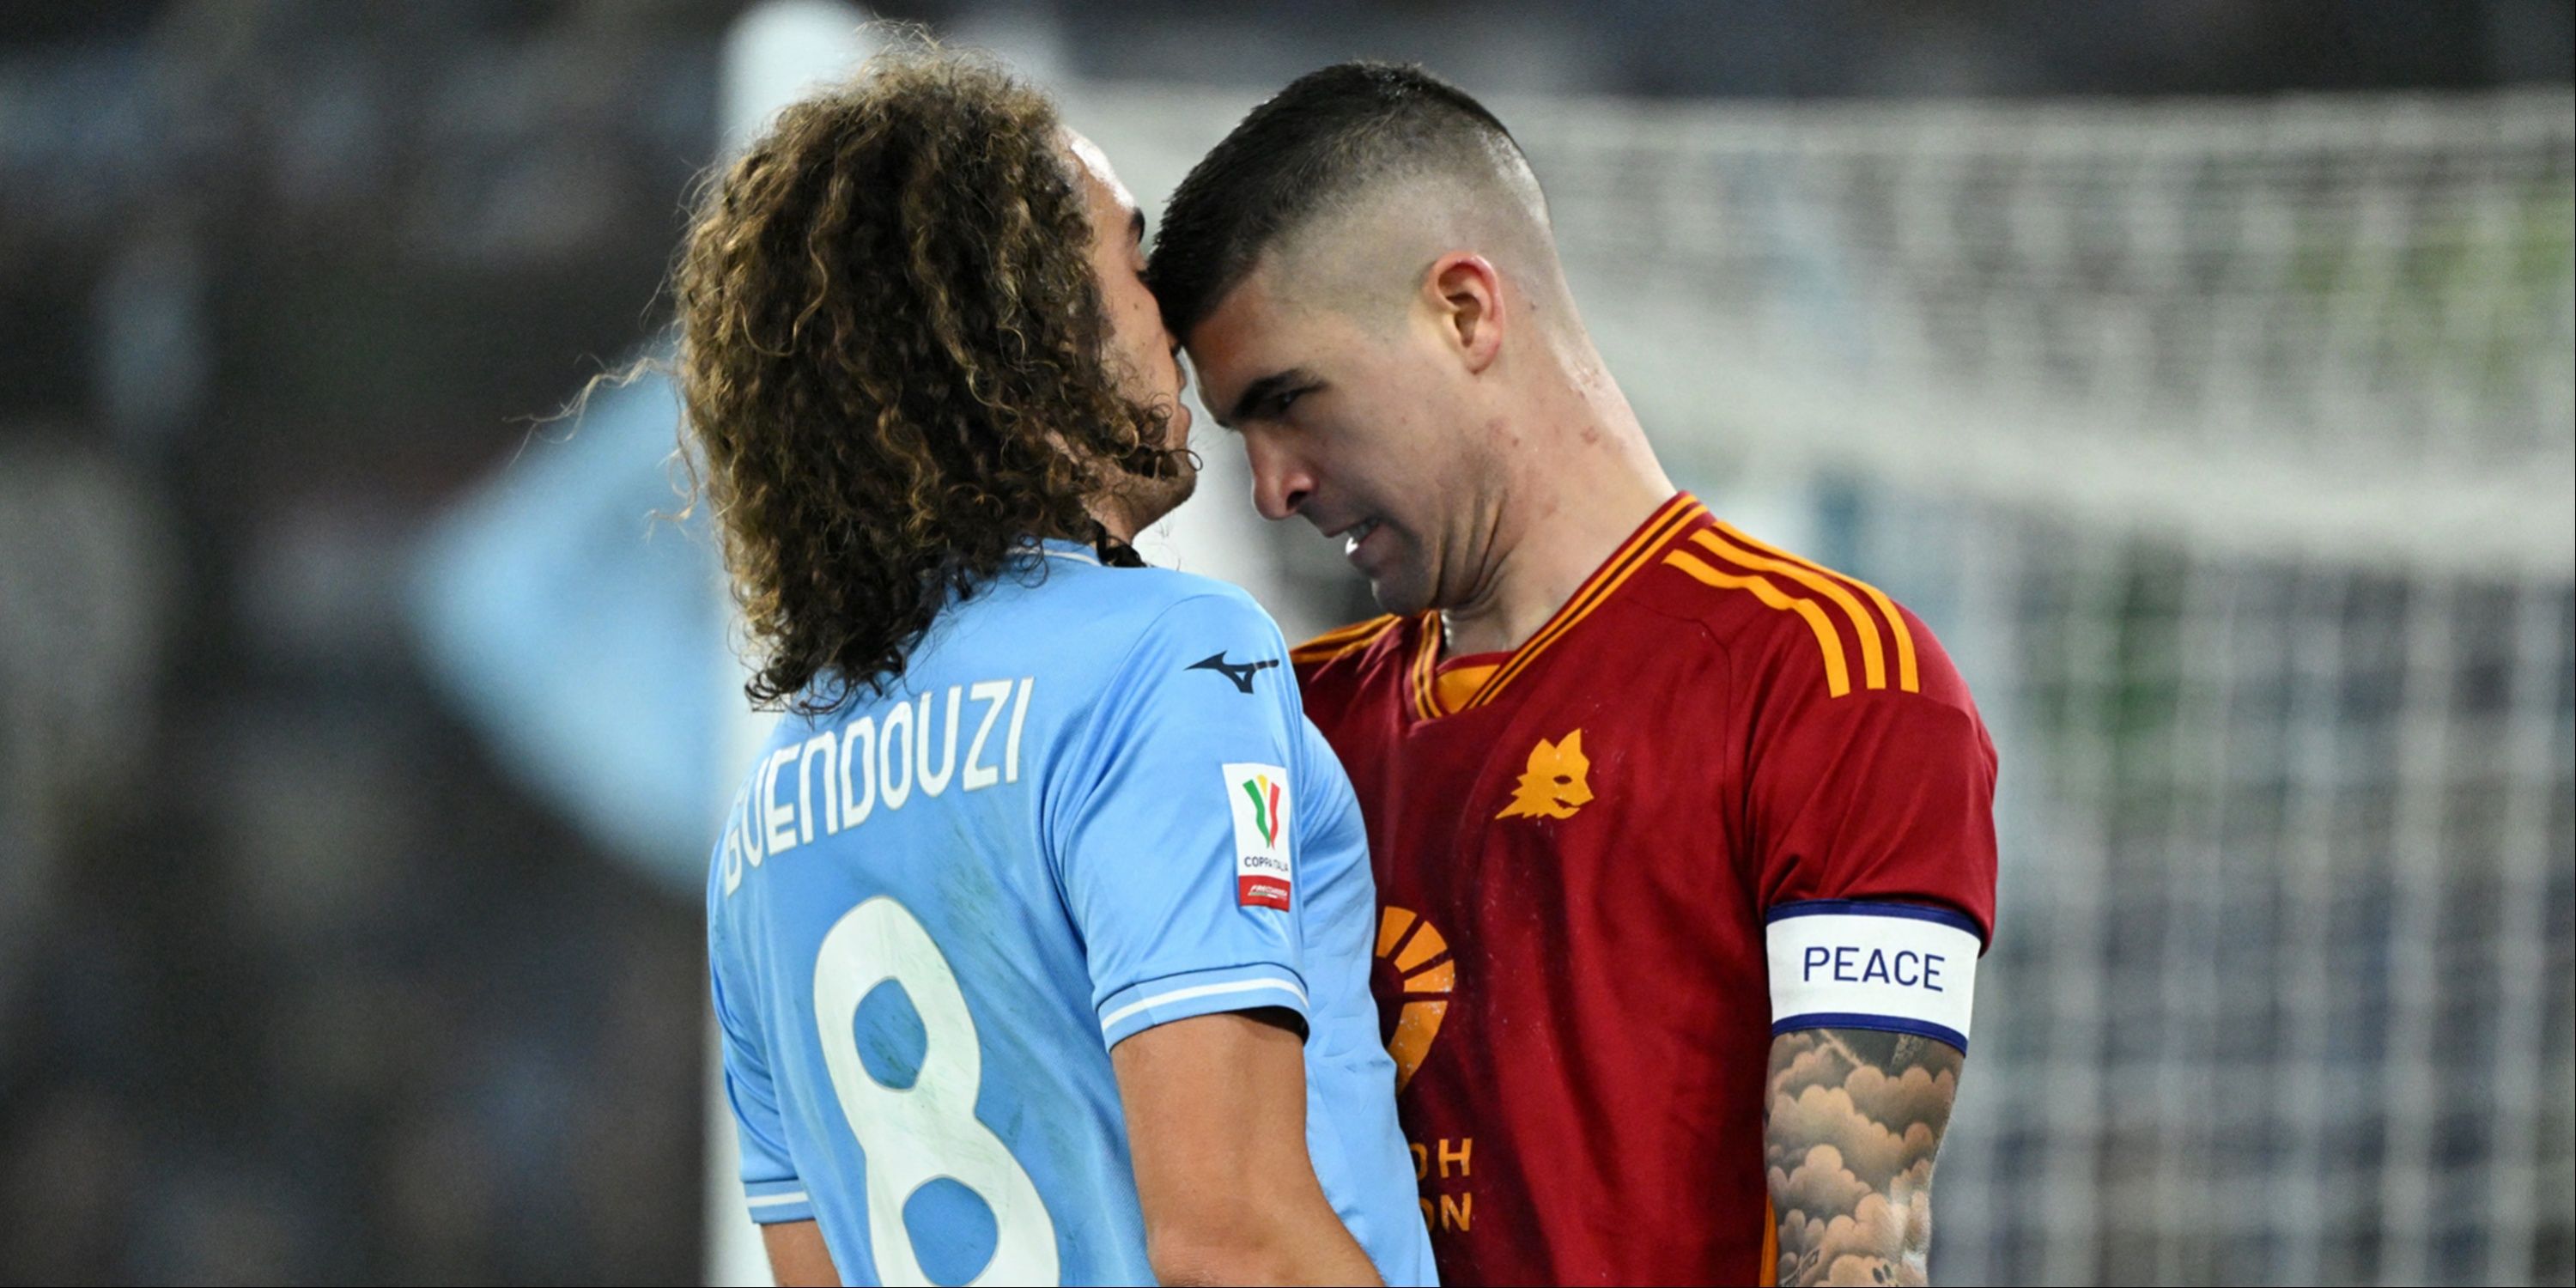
[{"x": 1852, "y": 1120}]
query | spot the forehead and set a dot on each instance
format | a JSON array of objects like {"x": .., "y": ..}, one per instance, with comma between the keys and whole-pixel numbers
[
  {"x": 1098, "y": 178},
  {"x": 1244, "y": 325},
  {"x": 1258, "y": 330}
]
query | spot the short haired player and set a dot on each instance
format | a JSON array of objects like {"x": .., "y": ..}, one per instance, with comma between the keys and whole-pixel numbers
[
  {"x": 1040, "y": 931},
  {"x": 1685, "y": 843}
]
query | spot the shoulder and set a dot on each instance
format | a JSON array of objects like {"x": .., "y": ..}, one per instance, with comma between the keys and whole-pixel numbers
[
  {"x": 1150, "y": 644},
  {"x": 1791, "y": 626},
  {"x": 1166, "y": 615},
  {"x": 1080, "y": 613},
  {"x": 1330, "y": 667},
  {"x": 1159, "y": 590},
  {"x": 1135, "y": 599},
  {"x": 1347, "y": 647}
]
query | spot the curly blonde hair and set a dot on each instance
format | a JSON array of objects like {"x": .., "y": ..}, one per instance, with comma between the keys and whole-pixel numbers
[{"x": 891, "y": 359}]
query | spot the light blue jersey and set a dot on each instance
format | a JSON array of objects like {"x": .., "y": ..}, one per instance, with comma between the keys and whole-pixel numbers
[{"x": 1091, "y": 806}]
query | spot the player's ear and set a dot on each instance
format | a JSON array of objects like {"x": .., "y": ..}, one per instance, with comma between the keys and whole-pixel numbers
[{"x": 1466, "y": 295}]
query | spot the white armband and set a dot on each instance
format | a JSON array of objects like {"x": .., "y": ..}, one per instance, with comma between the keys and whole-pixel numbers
[{"x": 1845, "y": 964}]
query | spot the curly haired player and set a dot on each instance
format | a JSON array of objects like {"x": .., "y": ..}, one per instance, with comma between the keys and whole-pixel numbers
[
  {"x": 1686, "y": 844},
  {"x": 1039, "y": 931}
]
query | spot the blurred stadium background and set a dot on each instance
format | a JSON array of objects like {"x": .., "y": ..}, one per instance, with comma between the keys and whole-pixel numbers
[{"x": 2200, "y": 369}]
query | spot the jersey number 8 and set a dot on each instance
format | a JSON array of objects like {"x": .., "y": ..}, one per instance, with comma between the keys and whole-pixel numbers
[{"x": 918, "y": 1134}]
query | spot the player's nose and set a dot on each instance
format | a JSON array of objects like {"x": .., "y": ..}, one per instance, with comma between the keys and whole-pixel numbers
[{"x": 1280, "y": 482}]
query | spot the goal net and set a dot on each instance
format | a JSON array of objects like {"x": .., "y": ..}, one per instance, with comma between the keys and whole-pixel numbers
[{"x": 2231, "y": 449}]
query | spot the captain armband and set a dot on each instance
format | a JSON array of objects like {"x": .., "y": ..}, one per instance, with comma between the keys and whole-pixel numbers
[{"x": 1848, "y": 964}]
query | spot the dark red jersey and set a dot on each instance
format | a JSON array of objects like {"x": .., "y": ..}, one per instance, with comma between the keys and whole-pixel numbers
[{"x": 1577, "y": 845}]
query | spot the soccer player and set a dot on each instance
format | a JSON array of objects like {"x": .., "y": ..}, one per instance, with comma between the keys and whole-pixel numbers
[
  {"x": 1685, "y": 843},
  {"x": 1040, "y": 931}
]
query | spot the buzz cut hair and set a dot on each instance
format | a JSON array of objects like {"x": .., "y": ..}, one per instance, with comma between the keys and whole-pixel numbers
[{"x": 1310, "y": 150}]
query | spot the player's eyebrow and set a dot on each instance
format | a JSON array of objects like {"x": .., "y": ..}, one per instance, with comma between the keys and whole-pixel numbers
[{"x": 1261, "y": 391}]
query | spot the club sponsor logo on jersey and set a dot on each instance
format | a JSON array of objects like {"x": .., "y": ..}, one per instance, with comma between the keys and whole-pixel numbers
[
  {"x": 1263, "y": 871},
  {"x": 1416, "y": 955},
  {"x": 1556, "y": 783},
  {"x": 1415, "y": 975}
]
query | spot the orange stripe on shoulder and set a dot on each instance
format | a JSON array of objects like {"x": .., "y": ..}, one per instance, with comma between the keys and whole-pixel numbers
[
  {"x": 1908, "y": 677},
  {"x": 1348, "y": 639},
  {"x": 1837, "y": 669},
  {"x": 1873, "y": 659}
]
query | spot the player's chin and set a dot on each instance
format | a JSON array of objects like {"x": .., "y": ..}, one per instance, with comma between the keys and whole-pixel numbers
[{"x": 1399, "y": 587}]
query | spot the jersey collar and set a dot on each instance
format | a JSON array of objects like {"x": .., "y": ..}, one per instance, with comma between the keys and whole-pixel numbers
[
  {"x": 1059, "y": 548},
  {"x": 1422, "y": 681}
]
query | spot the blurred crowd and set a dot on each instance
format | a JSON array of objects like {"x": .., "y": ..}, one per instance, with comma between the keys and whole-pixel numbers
[
  {"x": 297, "y": 979},
  {"x": 296, "y": 982}
]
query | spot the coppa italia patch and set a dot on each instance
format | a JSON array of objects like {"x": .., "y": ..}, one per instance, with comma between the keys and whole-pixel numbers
[{"x": 1258, "y": 795}]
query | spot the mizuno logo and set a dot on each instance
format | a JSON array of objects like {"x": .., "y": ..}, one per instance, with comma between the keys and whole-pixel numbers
[{"x": 1239, "y": 672}]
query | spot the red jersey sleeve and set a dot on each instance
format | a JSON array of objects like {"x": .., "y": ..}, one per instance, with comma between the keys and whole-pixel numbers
[
  {"x": 1328, "y": 668},
  {"x": 1872, "y": 793}
]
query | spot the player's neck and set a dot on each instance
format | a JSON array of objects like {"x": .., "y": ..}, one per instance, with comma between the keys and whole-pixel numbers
[
  {"x": 1116, "y": 520},
  {"x": 1124, "y": 513},
  {"x": 1578, "y": 496}
]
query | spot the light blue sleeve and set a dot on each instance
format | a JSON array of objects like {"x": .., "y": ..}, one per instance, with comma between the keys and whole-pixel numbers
[
  {"x": 1169, "y": 838},
  {"x": 772, "y": 1190}
]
